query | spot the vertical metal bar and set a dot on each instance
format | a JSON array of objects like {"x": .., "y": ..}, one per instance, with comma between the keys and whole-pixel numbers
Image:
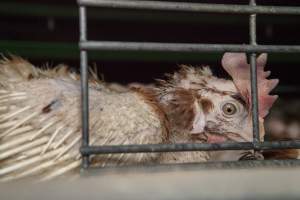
[
  {"x": 254, "y": 90},
  {"x": 84, "y": 85}
]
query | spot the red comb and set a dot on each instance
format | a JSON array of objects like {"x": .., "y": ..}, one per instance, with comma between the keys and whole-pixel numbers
[{"x": 237, "y": 67}]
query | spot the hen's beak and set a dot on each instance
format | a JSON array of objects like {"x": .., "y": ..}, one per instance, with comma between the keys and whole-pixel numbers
[
  {"x": 210, "y": 137},
  {"x": 239, "y": 137}
]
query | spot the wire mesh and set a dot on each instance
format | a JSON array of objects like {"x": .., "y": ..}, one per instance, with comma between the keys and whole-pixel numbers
[{"x": 253, "y": 48}]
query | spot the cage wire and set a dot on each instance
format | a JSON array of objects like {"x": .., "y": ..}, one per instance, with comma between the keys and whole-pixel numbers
[{"x": 252, "y": 49}]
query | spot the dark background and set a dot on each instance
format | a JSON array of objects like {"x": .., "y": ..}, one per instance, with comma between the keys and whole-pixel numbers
[{"x": 48, "y": 32}]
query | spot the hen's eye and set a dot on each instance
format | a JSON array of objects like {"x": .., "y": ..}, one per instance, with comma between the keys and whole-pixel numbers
[{"x": 229, "y": 109}]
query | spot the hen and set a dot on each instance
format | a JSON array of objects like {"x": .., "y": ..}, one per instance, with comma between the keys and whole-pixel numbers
[{"x": 41, "y": 127}]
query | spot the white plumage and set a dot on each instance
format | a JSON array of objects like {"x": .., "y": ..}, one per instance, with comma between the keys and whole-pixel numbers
[{"x": 40, "y": 118}]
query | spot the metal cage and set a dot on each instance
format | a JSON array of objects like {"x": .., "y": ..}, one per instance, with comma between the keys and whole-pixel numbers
[{"x": 252, "y": 49}]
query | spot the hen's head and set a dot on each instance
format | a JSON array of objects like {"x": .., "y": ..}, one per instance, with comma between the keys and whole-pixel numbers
[{"x": 214, "y": 109}]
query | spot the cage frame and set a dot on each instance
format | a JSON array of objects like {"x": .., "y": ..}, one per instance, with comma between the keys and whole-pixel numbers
[{"x": 252, "y": 49}]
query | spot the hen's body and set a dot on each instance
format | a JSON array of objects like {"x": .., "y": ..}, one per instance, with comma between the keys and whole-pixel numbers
[{"x": 40, "y": 122}]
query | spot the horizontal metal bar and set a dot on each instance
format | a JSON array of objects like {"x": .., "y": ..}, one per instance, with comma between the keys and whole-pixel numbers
[
  {"x": 191, "y": 7},
  {"x": 71, "y": 12},
  {"x": 185, "y": 47},
  {"x": 162, "y": 148},
  {"x": 188, "y": 147},
  {"x": 62, "y": 50}
]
